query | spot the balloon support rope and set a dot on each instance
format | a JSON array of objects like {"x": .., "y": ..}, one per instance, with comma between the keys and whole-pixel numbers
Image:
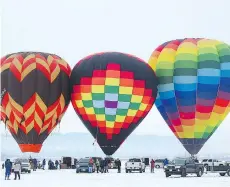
[{"x": 58, "y": 127}]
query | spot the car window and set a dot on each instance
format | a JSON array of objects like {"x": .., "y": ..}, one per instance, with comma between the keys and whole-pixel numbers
[
  {"x": 210, "y": 160},
  {"x": 179, "y": 161},
  {"x": 22, "y": 160},
  {"x": 134, "y": 160},
  {"x": 190, "y": 161},
  {"x": 159, "y": 160},
  {"x": 84, "y": 160},
  {"x": 205, "y": 160}
]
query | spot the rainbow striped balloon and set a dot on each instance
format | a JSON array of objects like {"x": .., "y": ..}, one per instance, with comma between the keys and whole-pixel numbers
[{"x": 194, "y": 88}]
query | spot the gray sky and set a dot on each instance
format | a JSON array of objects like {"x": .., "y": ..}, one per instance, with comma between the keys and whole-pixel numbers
[{"x": 74, "y": 29}]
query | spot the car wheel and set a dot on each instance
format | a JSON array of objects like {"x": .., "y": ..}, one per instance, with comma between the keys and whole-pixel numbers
[
  {"x": 228, "y": 172},
  {"x": 126, "y": 171},
  {"x": 29, "y": 171},
  {"x": 144, "y": 170},
  {"x": 200, "y": 173},
  {"x": 167, "y": 175},
  {"x": 140, "y": 170},
  {"x": 222, "y": 174}
]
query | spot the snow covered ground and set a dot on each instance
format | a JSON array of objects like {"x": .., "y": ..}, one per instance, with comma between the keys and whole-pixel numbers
[{"x": 63, "y": 178}]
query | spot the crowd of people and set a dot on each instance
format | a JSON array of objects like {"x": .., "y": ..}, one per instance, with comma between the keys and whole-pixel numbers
[{"x": 103, "y": 165}]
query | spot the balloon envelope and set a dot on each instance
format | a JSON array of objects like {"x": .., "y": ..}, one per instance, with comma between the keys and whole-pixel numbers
[
  {"x": 35, "y": 95},
  {"x": 112, "y": 93},
  {"x": 194, "y": 88}
]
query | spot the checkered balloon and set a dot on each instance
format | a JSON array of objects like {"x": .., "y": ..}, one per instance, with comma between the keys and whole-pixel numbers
[{"x": 112, "y": 93}]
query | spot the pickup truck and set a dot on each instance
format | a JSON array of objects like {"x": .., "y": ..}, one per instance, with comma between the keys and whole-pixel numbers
[
  {"x": 183, "y": 167},
  {"x": 134, "y": 164},
  {"x": 221, "y": 169},
  {"x": 212, "y": 162}
]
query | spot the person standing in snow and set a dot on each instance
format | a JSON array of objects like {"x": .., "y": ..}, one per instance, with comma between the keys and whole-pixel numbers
[
  {"x": 152, "y": 166},
  {"x": 102, "y": 165},
  {"x": 90, "y": 165},
  {"x": 17, "y": 170},
  {"x": 106, "y": 166},
  {"x": 97, "y": 165},
  {"x": 43, "y": 164},
  {"x": 8, "y": 168},
  {"x": 35, "y": 163},
  {"x": 118, "y": 163},
  {"x": 56, "y": 164},
  {"x": 166, "y": 162}
]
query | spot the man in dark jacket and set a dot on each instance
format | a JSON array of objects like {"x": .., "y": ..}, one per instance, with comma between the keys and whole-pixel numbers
[
  {"x": 106, "y": 166},
  {"x": 56, "y": 164},
  {"x": 102, "y": 165},
  {"x": 35, "y": 164},
  {"x": 118, "y": 164},
  {"x": 43, "y": 164},
  {"x": 8, "y": 167}
]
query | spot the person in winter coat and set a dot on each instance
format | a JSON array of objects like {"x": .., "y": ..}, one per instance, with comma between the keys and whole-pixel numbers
[
  {"x": 17, "y": 170},
  {"x": 35, "y": 164},
  {"x": 166, "y": 162},
  {"x": 8, "y": 168},
  {"x": 152, "y": 166},
  {"x": 90, "y": 165},
  {"x": 3, "y": 165},
  {"x": 49, "y": 164},
  {"x": 43, "y": 164},
  {"x": 102, "y": 165},
  {"x": 56, "y": 164},
  {"x": 106, "y": 166},
  {"x": 118, "y": 163},
  {"x": 97, "y": 165}
]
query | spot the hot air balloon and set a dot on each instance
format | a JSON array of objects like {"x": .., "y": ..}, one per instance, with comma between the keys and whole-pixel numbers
[
  {"x": 34, "y": 96},
  {"x": 194, "y": 88},
  {"x": 112, "y": 93}
]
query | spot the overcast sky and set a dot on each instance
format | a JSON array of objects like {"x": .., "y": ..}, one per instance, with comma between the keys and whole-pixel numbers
[{"x": 73, "y": 29}]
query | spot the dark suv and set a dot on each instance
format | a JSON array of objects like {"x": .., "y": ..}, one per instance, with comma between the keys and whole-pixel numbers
[
  {"x": 83, "y": 165},
  {"x": 184, "y": 166}
]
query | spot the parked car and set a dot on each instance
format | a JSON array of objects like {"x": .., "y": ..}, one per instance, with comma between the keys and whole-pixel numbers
[
  {"x": 83, "y": 165},
  {"x": 25, "y": 164},
  {"x": 134, "y": 164},
  {"x": 183, "y": 167},
  {"x": 212, "y": 162},
  {"x": 159, "y": 163}
]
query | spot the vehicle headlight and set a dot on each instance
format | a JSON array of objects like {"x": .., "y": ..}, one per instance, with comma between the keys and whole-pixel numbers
[{"x": 177, "y": 167}]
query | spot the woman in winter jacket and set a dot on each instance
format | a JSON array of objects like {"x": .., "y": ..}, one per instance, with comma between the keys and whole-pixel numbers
[{"x": 17, "y": 170}]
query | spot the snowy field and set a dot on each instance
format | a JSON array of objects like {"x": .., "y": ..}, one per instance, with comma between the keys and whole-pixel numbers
[{"x": 64, "y": 178}]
